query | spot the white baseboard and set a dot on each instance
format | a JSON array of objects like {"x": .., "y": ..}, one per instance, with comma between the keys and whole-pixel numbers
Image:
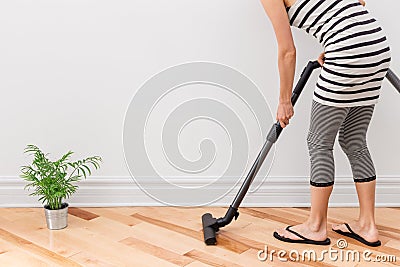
[{"x": 275, "y": 192}]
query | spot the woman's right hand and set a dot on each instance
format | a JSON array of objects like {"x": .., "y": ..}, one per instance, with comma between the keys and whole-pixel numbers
[{"x": 285, "y": 113}]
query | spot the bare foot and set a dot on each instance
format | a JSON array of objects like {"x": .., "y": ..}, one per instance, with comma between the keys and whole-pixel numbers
[
  {"x": 305, "y": 230},
  {"x": 368, "y": 232}
]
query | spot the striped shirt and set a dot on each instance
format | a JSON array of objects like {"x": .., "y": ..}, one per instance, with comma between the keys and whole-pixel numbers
[{"x": 357, "y": 54}]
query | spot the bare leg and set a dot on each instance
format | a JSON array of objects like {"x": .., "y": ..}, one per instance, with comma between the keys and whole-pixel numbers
[
  {"x": 352, "y": 139},
  {"x": 325, "y": 122},
  {"x": 365, "y": 226},
  {"x": 315, "y": 227}
]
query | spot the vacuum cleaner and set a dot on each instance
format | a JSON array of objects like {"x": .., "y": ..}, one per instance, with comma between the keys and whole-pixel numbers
[{"x": 212, "y": 225}]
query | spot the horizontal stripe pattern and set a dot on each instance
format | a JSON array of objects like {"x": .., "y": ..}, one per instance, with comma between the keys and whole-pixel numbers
[
  {"x": 343, "y": 19},
  {"x": 354, "y": 35},
  {"x": 367, "y": 65},
  {"x": 322, "y": 14},
  {"x": 357, "y": 54},
  {"x": 351, "y": 124},
  {"x": 348, "y": 92},
  {"x": 365, "y": 75}
]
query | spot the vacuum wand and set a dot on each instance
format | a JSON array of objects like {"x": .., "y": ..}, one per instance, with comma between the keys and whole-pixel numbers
[{"x": 212, "y": 225}]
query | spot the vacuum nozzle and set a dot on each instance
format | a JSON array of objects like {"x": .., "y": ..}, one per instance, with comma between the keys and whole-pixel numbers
[
  {"x": 210, "y": 229},
  {"x": 212, "y": 225}
]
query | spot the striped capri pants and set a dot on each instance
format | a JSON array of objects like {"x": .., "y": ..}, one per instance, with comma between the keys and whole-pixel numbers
[{"x": 352, "y": 124}]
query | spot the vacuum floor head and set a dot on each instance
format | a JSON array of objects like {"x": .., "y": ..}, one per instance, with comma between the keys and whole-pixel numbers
[{"x": 210, "y": 229}]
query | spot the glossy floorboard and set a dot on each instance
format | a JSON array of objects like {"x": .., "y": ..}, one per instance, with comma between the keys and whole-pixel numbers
[{"x": 169, "y": 236}]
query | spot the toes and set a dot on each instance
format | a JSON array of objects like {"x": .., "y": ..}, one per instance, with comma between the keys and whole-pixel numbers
[
  {"x": 341, "y": 227},
  {"x": 288, "y": 234},
  {"x": 284, "y": 233},
  {"x": 279, "y": 231}
]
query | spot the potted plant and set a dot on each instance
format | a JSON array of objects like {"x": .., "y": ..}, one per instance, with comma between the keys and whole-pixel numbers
[{"x": 54, "y": 182}]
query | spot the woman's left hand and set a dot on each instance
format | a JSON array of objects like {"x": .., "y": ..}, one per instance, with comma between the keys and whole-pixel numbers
[{"x": 321, "y": 58}]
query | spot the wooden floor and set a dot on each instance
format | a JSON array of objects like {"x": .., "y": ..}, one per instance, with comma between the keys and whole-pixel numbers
[{"x": 154, "y": 236}]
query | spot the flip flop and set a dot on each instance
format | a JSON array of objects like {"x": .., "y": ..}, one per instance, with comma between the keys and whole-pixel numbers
[
  {"x": 304, "y": 240},
  {"x": 355, "y": 236}
]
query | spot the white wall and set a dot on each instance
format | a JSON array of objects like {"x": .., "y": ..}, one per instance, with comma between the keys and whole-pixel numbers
[{"x": 68, "y": 70}]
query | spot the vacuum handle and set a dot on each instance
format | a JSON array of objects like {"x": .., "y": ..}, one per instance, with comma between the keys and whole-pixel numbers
[
  {"x": 393, "y": 79},
  {"x": 304, "y": 76}
]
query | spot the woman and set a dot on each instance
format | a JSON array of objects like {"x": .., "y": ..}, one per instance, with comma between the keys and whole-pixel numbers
[{"x": 355, "y": 61}]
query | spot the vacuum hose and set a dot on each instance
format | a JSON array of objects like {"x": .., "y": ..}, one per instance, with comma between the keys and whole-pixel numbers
[{"x": 393, "y": 79}]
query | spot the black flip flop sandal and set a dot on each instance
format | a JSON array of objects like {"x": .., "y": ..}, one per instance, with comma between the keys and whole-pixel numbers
[
  {"x": 357, "y": 237},
  {"x": 304, "y": 240}
]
